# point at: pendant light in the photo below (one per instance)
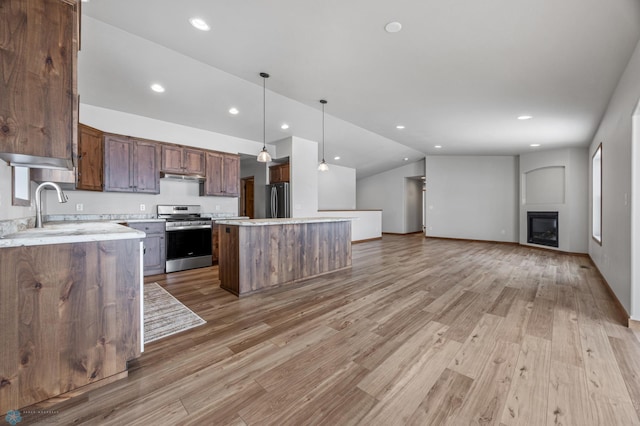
(264, 156)
(323, 166)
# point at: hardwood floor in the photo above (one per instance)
(419, 331)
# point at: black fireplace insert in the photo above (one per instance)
(542, 228)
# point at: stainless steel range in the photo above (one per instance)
(188, 237)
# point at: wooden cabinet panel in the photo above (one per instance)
(215, 242)
(231, 175)
(38, 105)
(145, 167)
(171, 159)
(90, 159)
(279, 173)
(194, 161)
(155, 251)
(223, 175)
(69, 319)
(130, 165)
(183, 160)
(213, 183)
(118, 171)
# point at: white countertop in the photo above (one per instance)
(63, 233)
(283, 221)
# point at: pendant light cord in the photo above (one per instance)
(323, 102)
(264, 112)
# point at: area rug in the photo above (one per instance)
(164, 315)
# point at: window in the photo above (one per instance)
(596, 203)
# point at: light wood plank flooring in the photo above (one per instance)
(418, 332)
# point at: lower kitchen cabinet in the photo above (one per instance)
(215, 245)
(155, 252)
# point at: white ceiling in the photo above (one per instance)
(457, 75)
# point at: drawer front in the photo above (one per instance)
(148, 227)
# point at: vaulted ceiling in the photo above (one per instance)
(457, 75)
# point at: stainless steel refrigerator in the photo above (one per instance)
(278, 200)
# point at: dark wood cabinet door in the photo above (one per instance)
(194, 161)
(215, 245)
(38, 101)
(118, 155)
(279, 173)
(231, 176)
(284, 173)
(90, 159)
(145, 165)
(213, 183)
(172, 159)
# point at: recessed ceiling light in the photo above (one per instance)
(157, 88)
(400, 126)
(199, 24)
(405, 159)
(525, 117)
(337, 157)
(393, 27)
(284, 126)
(438, 146)
(534, 145)
(233, 111)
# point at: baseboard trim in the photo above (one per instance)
(400, 233)
(472, 241)
(621, 310)
(366, 241)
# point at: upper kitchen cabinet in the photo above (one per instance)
(39, 102)
(223, 175)
(130, 165)
(182, 160)
(90, 159)
(279, 173)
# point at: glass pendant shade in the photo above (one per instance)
(323, 166)
(264, 156)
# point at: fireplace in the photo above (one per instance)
(542, 228)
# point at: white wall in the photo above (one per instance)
(303, 166)
(337, 188)
(613, 258)
(386, 191)
(635, 218)
(472, 197)
(560, 184)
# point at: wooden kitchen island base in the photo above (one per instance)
(260, 254)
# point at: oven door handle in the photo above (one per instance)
(182, 228)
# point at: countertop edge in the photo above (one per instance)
(284, 221)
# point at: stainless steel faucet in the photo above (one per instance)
(62, 198)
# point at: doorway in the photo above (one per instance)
(247, 197)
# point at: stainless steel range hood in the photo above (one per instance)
(176, 176)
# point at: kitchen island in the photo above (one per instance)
(261, 254)
(70, 309)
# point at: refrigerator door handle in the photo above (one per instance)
(275, 204)
(273, 189)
